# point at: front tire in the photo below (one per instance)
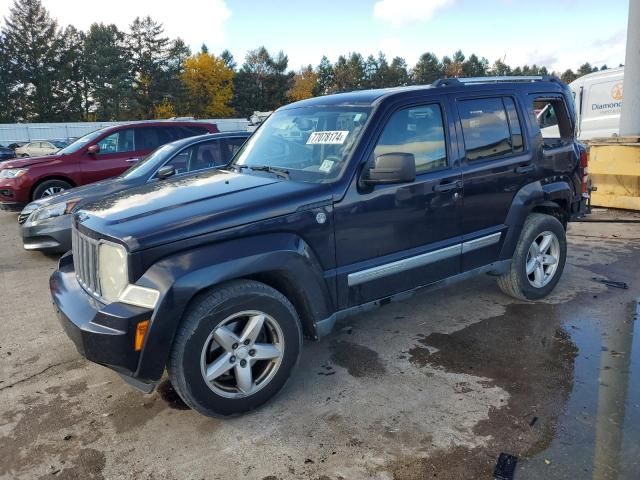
(50, 187)
(538, 261)
(235, 349)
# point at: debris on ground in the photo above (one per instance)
(611, 283)
(506, 467)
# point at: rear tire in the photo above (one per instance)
(538, 261)
(235, 349)
(50, 187)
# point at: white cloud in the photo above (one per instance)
(402, 12)
(195, 21)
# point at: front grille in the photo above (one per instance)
(85, 260)
(23, 218)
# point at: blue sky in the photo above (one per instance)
(557, 33)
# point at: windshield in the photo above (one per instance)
(148, 164)
(81, 142)
(312, 144)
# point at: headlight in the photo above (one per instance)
(112, 270)
(12, 172)
(114, 279)
(44, 213)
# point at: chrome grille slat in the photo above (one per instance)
(85, 258)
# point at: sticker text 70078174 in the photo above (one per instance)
(336, 137)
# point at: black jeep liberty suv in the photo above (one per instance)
(334, 205)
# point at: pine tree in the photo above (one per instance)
(33, 45)
(6, 105)
(398, 73)
(427, 70)
(149, 53)
(228, 59)
(325, 77)
(70, 91)
(108, 72)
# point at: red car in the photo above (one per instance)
(101, 154)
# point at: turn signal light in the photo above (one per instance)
(141, 332)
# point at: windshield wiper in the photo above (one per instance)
(278, 171)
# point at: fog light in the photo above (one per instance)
(141, 332)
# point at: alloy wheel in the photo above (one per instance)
(242, 354)
(543, 259)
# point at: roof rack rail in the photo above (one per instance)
(446, 82)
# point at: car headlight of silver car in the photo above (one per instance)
(43, 213)
(114, 279)
(12, 172)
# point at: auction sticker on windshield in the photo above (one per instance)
(336, 137)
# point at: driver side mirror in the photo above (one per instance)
(93, 149)
(166, 172)
(391, 168)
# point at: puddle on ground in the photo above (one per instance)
(598, 434)
(573, 407)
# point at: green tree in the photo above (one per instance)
(349, 73)
(398, 73)
(500, 69)
(586, 68)
(228, 59)
(475, 67)
(71, 95)
(32, 46)
(149, 53)
(262, 83)
(325, 77)
(6, 106)
(427, 70)
(108, 72)
(568, 76)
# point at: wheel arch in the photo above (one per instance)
(551, 198)
(40, 181)
(284, 262)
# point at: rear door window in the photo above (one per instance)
(485, 128)
(150, 138)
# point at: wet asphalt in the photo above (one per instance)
(437, 386)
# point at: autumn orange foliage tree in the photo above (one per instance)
(304, 84)
(209, 84)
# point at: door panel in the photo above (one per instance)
(496, 165)
(117, 154)
(392, 238)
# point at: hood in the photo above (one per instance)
(31, 161)
(83, 194)
(165, 212)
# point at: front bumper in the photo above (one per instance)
(103, 334)
(11, 206)
(51, 235)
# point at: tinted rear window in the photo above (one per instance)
(485, 128)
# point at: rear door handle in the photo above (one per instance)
(522, 169)
(448, 186)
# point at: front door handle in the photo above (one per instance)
(448, 186)
(133, 160)
(522, 169)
